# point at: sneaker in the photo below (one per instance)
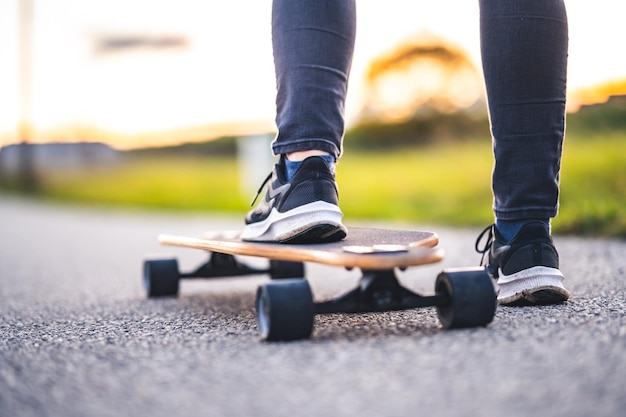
(302, 210)
(526, 269)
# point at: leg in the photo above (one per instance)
(313, 43)
(524, 53)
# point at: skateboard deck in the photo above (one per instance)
(364, 248)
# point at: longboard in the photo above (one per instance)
(286, 307)
(364, 248)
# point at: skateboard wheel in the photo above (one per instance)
(286, 269)
(161, 277)
(285, 310)
(472, 298)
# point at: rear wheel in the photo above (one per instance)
(472, 298)
(285, 310)
(161, 277)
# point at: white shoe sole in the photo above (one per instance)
(534, 286)
(280, 227)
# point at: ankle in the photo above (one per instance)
(291, 166)
(508, 229)
(300, 156)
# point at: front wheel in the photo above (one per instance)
(471, 295)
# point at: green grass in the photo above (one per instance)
(167, 183)
(436, 184)
(445, 184)
(593, 186)
(451, 185)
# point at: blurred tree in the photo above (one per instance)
(425, 75)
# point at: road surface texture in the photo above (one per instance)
(79, 338)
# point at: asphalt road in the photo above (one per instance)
(79, 338)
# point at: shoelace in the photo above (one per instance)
(488, 231)
(258, 193)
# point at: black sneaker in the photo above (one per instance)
(526, 268)
(303, 210)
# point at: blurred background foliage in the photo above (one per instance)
(419, 152)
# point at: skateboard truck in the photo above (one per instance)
(463, 298)
(222, 265)
(161, 277)
(379, 290)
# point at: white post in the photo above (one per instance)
(256, 160)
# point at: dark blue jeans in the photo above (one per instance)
(524, 55)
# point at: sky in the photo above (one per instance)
(219, 70)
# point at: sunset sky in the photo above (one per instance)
(218, 68)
